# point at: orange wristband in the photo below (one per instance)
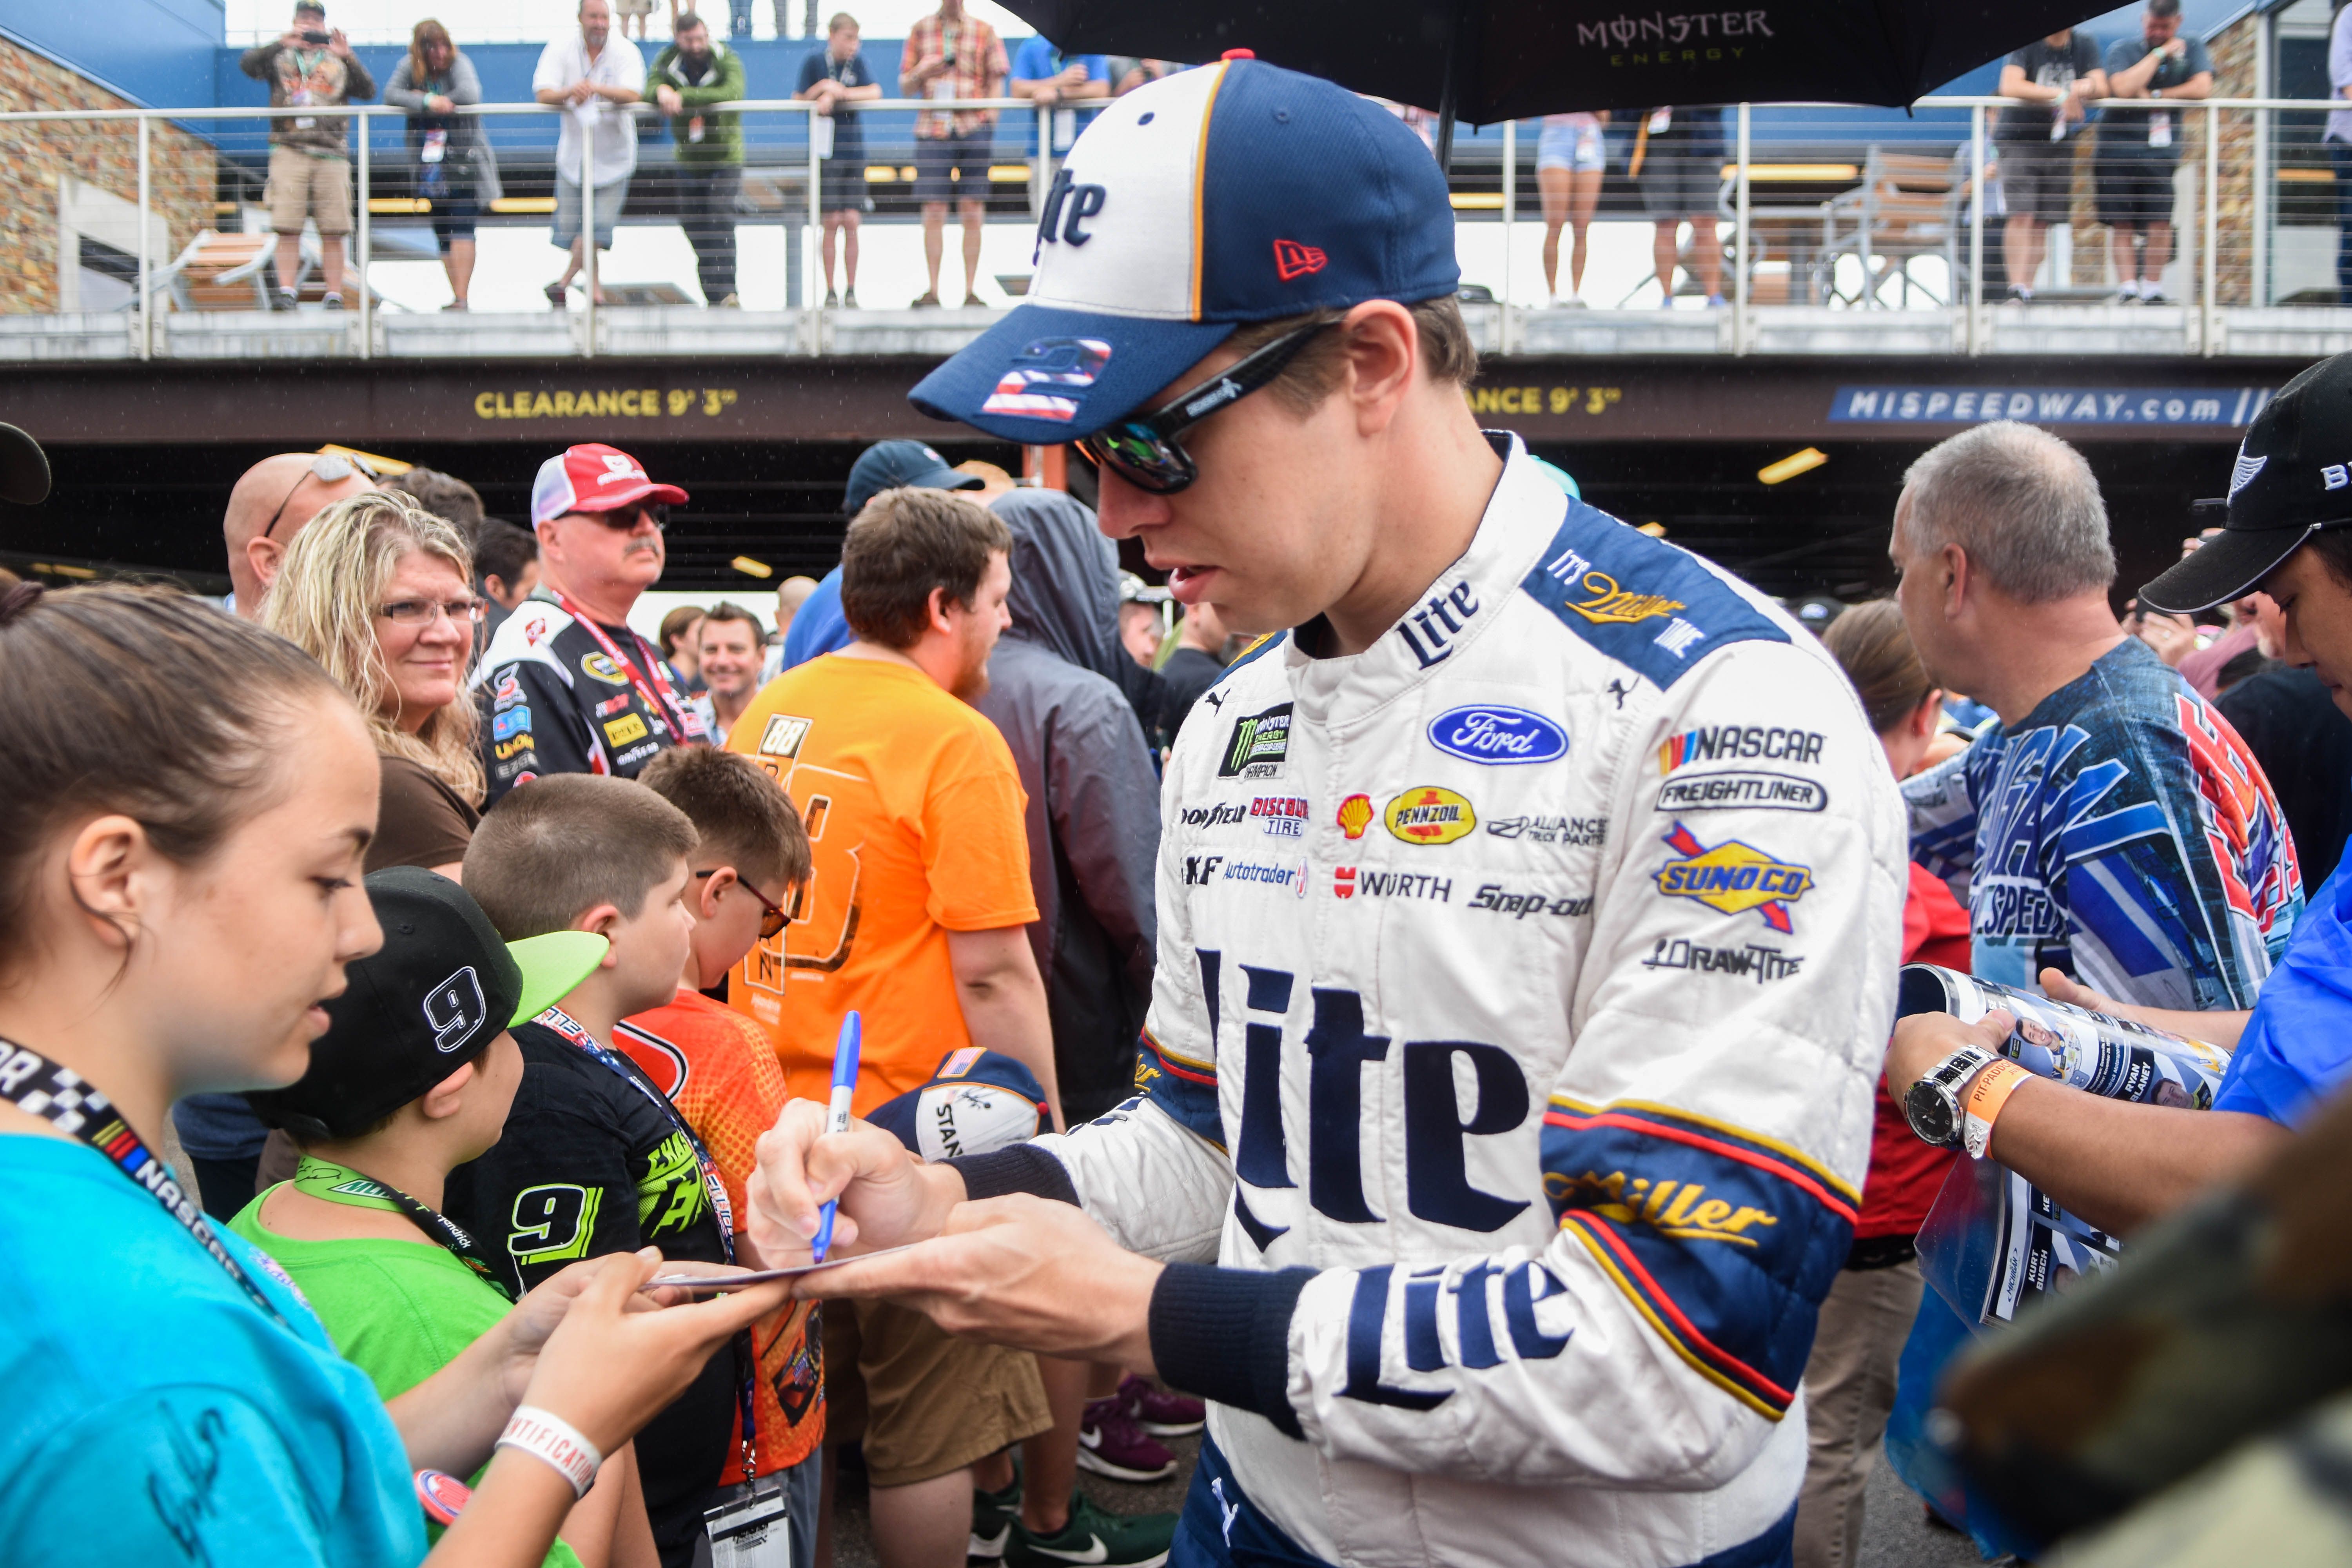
(1987, 1094)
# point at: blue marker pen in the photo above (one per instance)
(844, 1087)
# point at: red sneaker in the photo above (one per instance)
(1159, 1412)
(1111, 1443)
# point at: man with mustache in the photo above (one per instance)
(570, 687)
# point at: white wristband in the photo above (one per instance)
(545, 1436)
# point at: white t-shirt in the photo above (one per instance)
(564, 61)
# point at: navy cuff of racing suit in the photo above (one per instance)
(1224, 1334)
(1019, 1169)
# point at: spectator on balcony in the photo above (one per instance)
(449, 158)
(2051, 79)
(1569, 157)
(689, 75)
(1678, 161)
(2138, 147)
(2340, 147)
(1059, 82)
(309, 154)
(951, 55)
(831, 76)
(593, 78)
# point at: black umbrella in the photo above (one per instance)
(1490, 60)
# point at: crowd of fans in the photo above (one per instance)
(494, 980)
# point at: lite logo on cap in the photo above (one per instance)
(1237, 192)
(455, 1009)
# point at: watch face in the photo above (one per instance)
(1932, 1112)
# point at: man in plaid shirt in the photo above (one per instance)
(951, 55)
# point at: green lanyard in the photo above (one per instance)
(330, 1182)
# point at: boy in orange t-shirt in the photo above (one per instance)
(720, 1071)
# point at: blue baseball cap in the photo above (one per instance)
(1239, 191)
(977, 1101)
(900, 465)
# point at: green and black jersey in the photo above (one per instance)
(590, 1164)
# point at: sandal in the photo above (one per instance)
(555, 295)
(930, 301)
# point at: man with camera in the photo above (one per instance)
(308, 67)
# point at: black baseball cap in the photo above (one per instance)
(431, 999)
(900, 465)
(2292, 479)
(24, 470)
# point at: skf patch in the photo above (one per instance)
(597, 667)
(1355, 814)
(1428, 815)
(1733, 878)
(626, 729)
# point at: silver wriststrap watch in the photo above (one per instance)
(1933, 1104)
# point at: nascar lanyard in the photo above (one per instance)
(668, 703)
(330, 1182)
(565, 1024)
(67, 1101)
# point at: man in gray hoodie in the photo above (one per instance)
(1094, 797)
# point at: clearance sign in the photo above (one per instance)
(606, 402)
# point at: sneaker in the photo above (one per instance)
(732, 303)
(2017, 296)
(332, 302)
(1717, 302)
(283, 300)
(1111, 1443)
(2149, 294)
(994, 1516)
(1095, 1535)
(1159, 1412)
(832, 300)
(556, 294)
(849, 299)
(1573, 302)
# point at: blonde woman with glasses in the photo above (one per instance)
(380, 594)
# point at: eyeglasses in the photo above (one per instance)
(327, 469)
(769, 923)
(421, 612)
(1144, 450)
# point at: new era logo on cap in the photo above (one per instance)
(1291, 259)
(1237, 192)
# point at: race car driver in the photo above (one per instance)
(571, 689)
(1529, 912)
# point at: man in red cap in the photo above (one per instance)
(571, 689)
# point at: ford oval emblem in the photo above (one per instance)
(1498, 736)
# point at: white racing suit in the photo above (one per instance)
(1523, 982)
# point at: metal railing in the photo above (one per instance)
(2261, 164)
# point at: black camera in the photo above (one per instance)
(317, 36)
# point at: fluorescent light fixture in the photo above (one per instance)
(1789, 466)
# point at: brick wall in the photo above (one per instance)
(105, 153)
(2235, 50)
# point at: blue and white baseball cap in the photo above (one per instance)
(977, 1101)
(1238, 192)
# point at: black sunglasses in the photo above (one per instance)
(1143, 450)
(769, 923)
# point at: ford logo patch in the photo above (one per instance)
(1498, 736)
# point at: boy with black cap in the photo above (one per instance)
(595, 1159)
(2288, 534)
(412, 1079)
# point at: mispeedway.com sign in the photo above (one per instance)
(2224, 406)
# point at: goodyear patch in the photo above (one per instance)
(1428, 815)
(1732, 878)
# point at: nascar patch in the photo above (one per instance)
(598, 667)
